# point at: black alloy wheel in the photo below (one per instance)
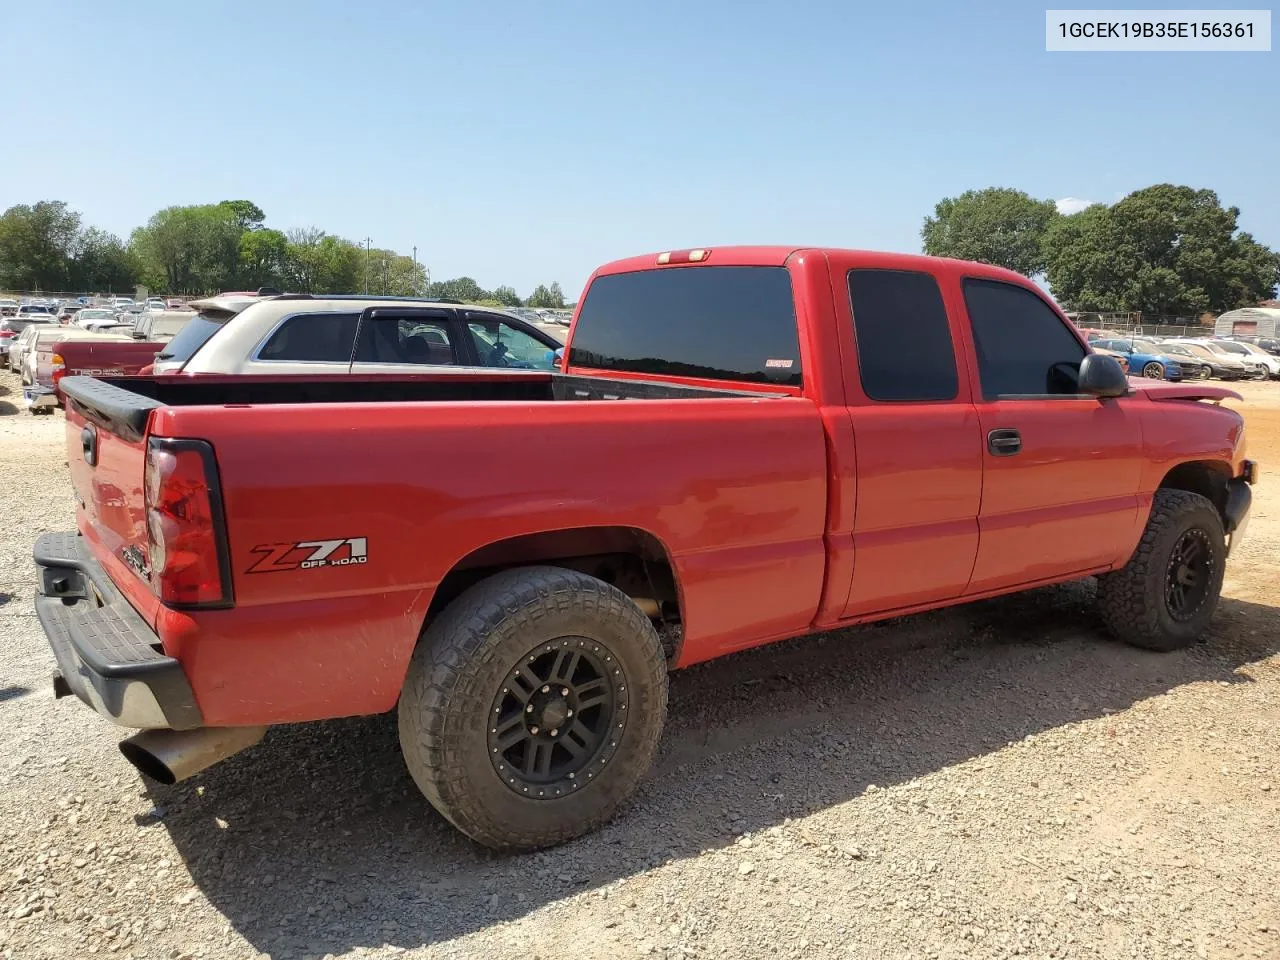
(1187, 575)
(558, 718)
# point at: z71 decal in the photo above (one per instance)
(309, 554)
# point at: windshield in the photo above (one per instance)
(18, 324)
(32, 308)
(1227, 346)
(96, 314)
(169, 326)
(191, 337)
(1145, 346)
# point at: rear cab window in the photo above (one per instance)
(730, 323)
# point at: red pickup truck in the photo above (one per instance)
(741, 445)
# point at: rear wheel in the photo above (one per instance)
(533, 707)
(1153, 370)
(1165, 596)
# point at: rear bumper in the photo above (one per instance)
(39, 397)
(107, 654)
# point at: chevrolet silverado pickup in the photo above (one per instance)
(740, 445)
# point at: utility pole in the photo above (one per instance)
(367, 242)
(417, 290)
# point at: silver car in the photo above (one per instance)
(17, 346)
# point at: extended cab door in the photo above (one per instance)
(1061, 470)
(400, 339)
(916, 438)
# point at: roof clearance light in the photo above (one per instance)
(683, 256)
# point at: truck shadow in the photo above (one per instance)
(317, 842)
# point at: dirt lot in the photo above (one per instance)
(996, 780)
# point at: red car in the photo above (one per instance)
(741, 445)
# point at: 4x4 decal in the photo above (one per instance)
(309, 554)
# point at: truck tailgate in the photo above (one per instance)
(107, 458)
(106, 358)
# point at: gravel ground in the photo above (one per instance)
(996, 780)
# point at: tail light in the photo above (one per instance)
(189, 561)
(6, 334)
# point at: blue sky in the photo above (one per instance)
(522, 143)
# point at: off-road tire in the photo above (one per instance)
(459, 667)
(1133, 599)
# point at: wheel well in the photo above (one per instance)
(1205, 477)
(630, 559)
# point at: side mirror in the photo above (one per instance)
(1101, 376)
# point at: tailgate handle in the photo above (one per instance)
(89, 443)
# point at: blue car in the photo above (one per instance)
(1145, 358)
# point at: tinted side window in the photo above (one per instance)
(315, 337)
(499, 344)
(719, 323)
(407, 340)
(903, 340)
(1023, 347)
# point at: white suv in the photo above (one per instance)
(302, 334)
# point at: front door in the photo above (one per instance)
(1061, 470)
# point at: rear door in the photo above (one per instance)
(401, 339)
(1061, 470)
(916, 438)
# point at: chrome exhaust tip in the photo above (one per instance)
(168, 756)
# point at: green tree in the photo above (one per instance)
(394, 275)
(459, 288)
(263, 255)
(540, 298)
(1166, 251)
(997, 225)
(506, 296)
(193, 249)
(36, 245)
(316, 262)
(248, 215)
(101, 263)
(557, 296)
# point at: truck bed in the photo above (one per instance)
(434, 473)
(127, 402)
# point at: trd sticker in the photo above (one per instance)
(310, 554)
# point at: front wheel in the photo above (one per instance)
(533, 707)
(1153, 371)
(1165, 596)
